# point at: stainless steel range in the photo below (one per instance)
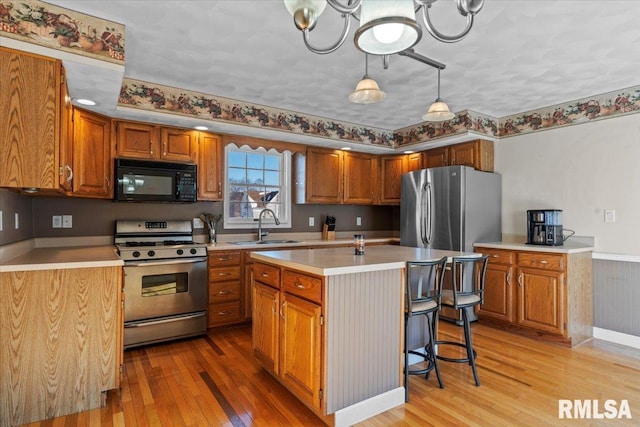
(165, 282)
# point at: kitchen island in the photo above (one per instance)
(328, 325)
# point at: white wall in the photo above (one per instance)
(581, 169)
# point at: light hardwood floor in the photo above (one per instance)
(214, 381)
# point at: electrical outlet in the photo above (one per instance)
(56, 221)
(358, 221)
(197, 223)
(67, 221)
(609, 215)
(312, 221)
(17, 220)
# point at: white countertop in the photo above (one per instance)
(566, 248)
(61, 258)
(334, 261)
(226, 246)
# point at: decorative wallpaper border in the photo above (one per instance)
(62, 29)
(166, 99)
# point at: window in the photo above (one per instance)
(256, 179)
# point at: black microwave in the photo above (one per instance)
(149, 181)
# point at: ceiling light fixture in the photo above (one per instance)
(367, 90)
(85, 102)
(386, 26)
(439, 110)
(201, 128)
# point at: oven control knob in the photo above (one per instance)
(179, 251)
(151, 253)
(135, 254)
(193, 251)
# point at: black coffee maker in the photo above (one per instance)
(544, 227)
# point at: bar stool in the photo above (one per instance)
(467, 291)
(423, 293)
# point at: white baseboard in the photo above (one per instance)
(368, 408)
(617, 337)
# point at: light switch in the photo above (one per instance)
(358, 221)
(67, 221)
(312, 221)
(197, 223)
(609, 215)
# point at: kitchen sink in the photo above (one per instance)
(264, 242)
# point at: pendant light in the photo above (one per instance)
(439, 110)
(367, 90)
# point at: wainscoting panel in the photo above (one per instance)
(616, 296)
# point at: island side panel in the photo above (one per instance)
(580, 297)
(364, 313)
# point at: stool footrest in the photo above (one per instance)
(430, 365)
(454, 359)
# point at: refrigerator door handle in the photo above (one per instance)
(426, 214)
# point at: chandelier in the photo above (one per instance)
(386, 26)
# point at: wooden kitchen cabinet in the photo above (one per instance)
(61, 341)
(210, 166)
(92, 155)
(477, 154)
(391, 170)
(287, 329)
(542, 294)
(337, 177)
(34, 122)
(225, 287)
(150, 142)
(179, 145)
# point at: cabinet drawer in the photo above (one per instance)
(266, 274)
(497, 256)
(224, 274)
(541, 260)
(222, 292)
(217, 259)
(225, 313)
(302, 285)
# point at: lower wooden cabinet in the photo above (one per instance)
(225, 287)
(287, 336)
(543, 293)
(60, 341)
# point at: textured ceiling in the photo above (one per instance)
(520, 55)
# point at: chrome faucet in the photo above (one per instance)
(261, 233)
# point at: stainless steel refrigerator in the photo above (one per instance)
(450, 207)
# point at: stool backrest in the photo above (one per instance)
(468, 279)
(424, 281)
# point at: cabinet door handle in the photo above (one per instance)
(543, 262)
(509, 279)
(273, 307)
(520, 280)
(106, 178)
(494, 256)
(298, 285)
(150, 147)
(282, 309)
(225, 292)
(225, 273)
(224, 259)
(264, 275)
(224, 313)
(68, 168)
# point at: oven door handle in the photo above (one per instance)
(167, 320)
(169, 262)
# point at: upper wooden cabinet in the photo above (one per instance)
(336, 177)
(391, 170)
(477, 154)
(210, 165)
(147, 141)
(34, 108)
(92, 155)
(178, 144)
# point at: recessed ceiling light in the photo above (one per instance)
(85, 102)
(346, 148)
(201, 128)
